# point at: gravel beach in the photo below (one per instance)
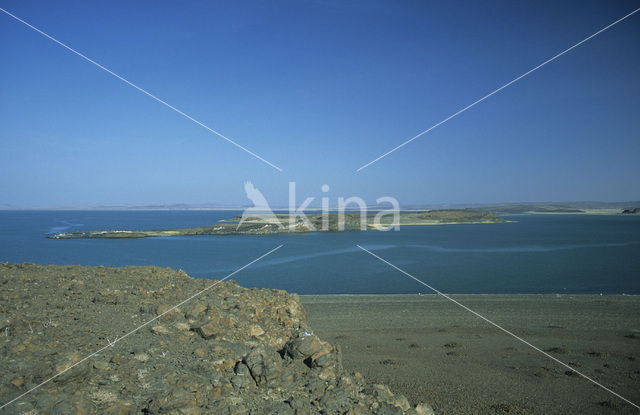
(430, 349)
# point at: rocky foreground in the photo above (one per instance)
(231, 350)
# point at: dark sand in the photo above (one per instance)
(430, 349)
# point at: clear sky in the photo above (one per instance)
(319, 88)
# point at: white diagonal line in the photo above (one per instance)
(499, 327)
(141, 90)
(498, 90)
(112, 343)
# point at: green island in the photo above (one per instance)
(317, 222)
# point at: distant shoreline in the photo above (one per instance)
(611, 212)
(255, 224)
(499, 207)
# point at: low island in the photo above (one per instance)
(315, 222)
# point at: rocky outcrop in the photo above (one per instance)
(229, 350)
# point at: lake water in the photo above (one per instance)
(535, 254)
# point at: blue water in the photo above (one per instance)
(536, 254)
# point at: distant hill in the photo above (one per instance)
(557, 207)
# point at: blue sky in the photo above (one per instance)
(319, 88)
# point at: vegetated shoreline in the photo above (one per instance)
(285, 223)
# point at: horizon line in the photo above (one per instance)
(213, 206)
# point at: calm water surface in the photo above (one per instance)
(535, 254)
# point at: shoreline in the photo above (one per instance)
(256, 224)
(430, 349)
(403, 296)
(606, 212)
(421, 345)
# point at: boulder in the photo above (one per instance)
(265, 365)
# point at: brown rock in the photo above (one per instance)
(327, 374)
(424, 409)
(168, 311)
(177, 401)
(256, 330)
(117, 358)
(264, 364)
(303, 347)
(196, 311)
(159, 330)
(100, 365)
(208, 330)
(72, 369)
(18, 382)
(226, 322)
(357, 410)
(213, 313)
(320, 359)
(400, 401)
(381, 392)
(118, 408)
(182, 326)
